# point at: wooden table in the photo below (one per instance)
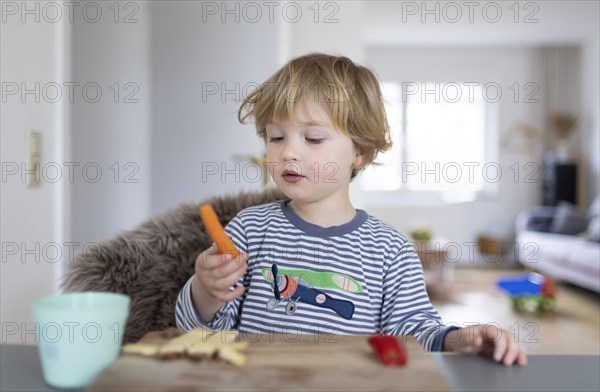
(21, 371)
(277, 363)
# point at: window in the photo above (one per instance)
(439, 135)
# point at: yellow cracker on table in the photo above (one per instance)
(231, 355)
(147, 350)
(178, 346)
(226, 337)
(240, 346)
(208, 347)
(195, 344)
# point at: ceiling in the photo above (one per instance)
(399, 23)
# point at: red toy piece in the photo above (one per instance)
(548, 288)
(390, 351)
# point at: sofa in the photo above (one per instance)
(562, 242)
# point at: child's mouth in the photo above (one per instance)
(291, 176)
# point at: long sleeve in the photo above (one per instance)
(186, 315)
(369, 265)
(406, 306)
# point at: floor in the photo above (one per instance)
(470, 296)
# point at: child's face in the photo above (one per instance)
(310, 160)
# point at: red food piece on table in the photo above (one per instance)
(390, 351)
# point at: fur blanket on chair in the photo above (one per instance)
(151, 263)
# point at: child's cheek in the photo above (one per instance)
(271, 164)
(325, 172)
(272, 167)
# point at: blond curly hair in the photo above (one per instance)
(350, 93)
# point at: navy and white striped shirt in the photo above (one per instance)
(363, 277)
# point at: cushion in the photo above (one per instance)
(538, 218)
(568, 219)
(540, 223)
(593, 229)
(594, 208)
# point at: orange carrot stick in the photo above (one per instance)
(216, 232)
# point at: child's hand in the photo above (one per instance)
(215, 273)
(488, 340)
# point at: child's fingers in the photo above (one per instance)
(500, 352)
(522, 358)
(478, 337)
(512, 353)
(216, 282)
(496, 341)
(228, 267)
(220, 289)
(472, 340)
(205, 263)
(506, 350)
(210, 261)
(489, 340)
(213, 250)
(231, 278)
(223, 293)
(204, 257)
(223, 269)
(231, 295)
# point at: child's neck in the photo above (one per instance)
(325, 214)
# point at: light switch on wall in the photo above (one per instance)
(33, 157)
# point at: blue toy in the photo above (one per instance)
(530, 292)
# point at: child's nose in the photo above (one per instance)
(290, 151)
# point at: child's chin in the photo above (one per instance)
(284, 189)
(293, 194)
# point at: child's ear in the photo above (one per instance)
(359, 158)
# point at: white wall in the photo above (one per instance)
(32, 225)
(590, 109)
(174, 136)
(167, 67)
(196, 138)
(330, 27)
(112, 134)
(484, 24)
(462, 223)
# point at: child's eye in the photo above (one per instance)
(314, 141)
(276, 139)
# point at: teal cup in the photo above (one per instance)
(79, 335)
